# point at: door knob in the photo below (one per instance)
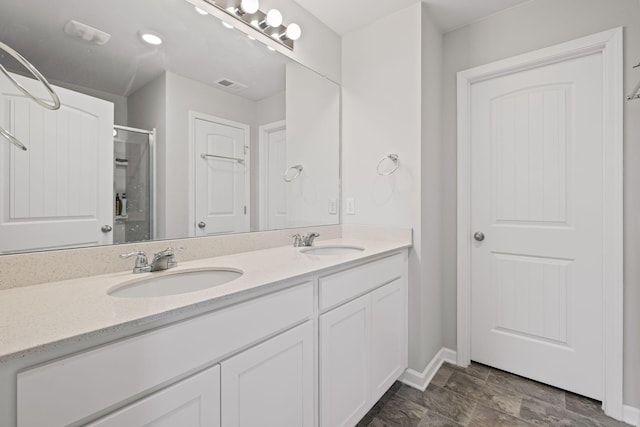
(106, 228)
(202, 224)
(479, 236)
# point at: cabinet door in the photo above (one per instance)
(193, 402)
(271, 384)
(388, 337)
(344, 363)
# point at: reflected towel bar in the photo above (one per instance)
(204, 156)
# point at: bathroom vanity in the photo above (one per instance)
(300, 339)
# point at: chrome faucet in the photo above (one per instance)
(307, 240)
(162, 260)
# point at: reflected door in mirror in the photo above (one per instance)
(57, 193)
(221, 177)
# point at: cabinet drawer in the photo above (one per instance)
(345, 285)
(76, 387)
(193, 402)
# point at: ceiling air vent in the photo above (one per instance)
(231, 85)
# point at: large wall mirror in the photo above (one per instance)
(209, 132)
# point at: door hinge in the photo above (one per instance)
(245, 210)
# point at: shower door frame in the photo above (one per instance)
(152, 174)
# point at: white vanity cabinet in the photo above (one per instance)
(85, 386)
(272, 383)
(317, 351)
(363, 342)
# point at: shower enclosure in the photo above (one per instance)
(133, 184)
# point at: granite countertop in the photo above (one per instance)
(34, 317)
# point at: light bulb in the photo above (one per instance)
(249, 6)
(201, 11)
(293, 31)
(274, 18)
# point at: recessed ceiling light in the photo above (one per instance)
(151, 38)
(227, 25)
(201, 11)
(271, 49)
(251, 37)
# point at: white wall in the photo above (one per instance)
(430, 307)
(313, 140)
(534, 25)
(382, 114)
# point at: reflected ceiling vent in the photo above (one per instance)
(231, 85)
(86, 32)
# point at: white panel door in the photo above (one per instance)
(221, 184)
(59, 192)
(272, 383)
(345, 337)
(388, 337)
(537, 196)
(273, 153)
(193, 402)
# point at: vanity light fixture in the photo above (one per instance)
(273, 20)
(269, 23)
(246, 6)
(151, 38)
(293, 32)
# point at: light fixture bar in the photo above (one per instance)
(255, 20)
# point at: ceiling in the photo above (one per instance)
(344, 16)
(196, 46)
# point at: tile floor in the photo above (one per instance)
(480, 396)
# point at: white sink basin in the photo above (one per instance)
(331, 250)
(174, 284)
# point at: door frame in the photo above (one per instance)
(609, 44)
(193, 116)
(263, 134)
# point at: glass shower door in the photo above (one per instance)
(133, 185)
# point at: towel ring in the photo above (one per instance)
(297, 168)
(394, 159)
(34, 71)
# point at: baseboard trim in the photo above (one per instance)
(421, 380)
(631, 415)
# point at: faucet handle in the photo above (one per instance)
(170, 251)
(297, 240)
(142, 264)
(139, 254)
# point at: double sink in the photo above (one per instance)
(191, 281)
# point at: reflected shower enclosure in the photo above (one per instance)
(133, 206)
